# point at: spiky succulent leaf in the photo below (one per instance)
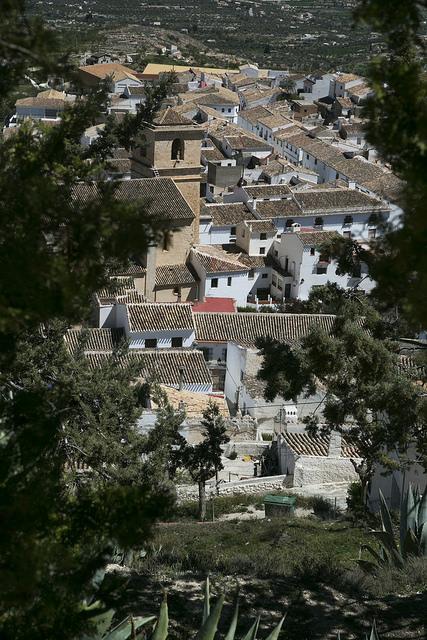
(374, 633)
(377, 556)
(389, 545)
(403, 517)
(368, 567)
(411, 515)
(275, 633)
(123, 630)
(100, 619)
(386, 518)
(422, 510)
(410, 545)
(209, 628)
(423, 539)
(251, 634)
(206, 602)
(161, 629)
(233, 625)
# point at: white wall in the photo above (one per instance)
(236, 364)
(164, 338)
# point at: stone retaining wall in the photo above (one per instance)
(241, 487)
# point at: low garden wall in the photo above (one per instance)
(239, 487)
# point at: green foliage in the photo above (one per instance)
(365, 396)
(203, 460)
(59, 526)
(413, 533)
(210, 621)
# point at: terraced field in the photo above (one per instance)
(303, 35)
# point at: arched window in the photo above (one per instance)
(318, 222)
(348, 220)
(177, 149)
(289, 223)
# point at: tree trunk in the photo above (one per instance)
(202, 500)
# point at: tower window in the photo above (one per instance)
(177, 149)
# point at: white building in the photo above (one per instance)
(299, 255)
(151, 325)
(47, 106)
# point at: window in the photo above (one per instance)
(264, 276)
(263, 236)
(177, 342)
(229, 110)
(223, 110)
(372, 233)
(337, 175)
(315, 160)
(150, 343)
(312, 251)
(177, 152)
(279, 235)
(233, 231)
(251, 274)
(214, 283)
(242, 375)
(229, 281)
(274, 281)
(348, 220)
(51, 113)
(262, 251)
(318, 222)
(165, 245)
(276, 253)
(280, 284)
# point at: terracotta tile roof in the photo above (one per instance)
(212, 154)
(268, 190)
(254, 114)
(289, 133)
(227, 214)
(130, 269)
(245, 328)
(266, 226)
(94, 339)
(277, 167)
(114, 69)
(243, 141)
(121, 289)
(160, 317)
(214, 99)
(214, 259)
(335, 200)
(274, 121)
(163, 365)
(315, 238)
(49, 99)
(173, 274)
(347, 77)
(305, 445)
(162, 197)
(170, 117)
(278, 209)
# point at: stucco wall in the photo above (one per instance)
(320, 470)
(243, 487)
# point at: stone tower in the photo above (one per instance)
(170, 147)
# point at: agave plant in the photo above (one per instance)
(413, 533)
(135, 628)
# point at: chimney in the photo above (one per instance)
(150, 276)
(181, 379)
(334, 449)
(254, 204)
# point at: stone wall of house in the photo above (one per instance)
(241, 487)
(180, 241)
(322, 469)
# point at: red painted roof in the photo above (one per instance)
(216, 305)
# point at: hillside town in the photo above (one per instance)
(213, 335)
(252, 171)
